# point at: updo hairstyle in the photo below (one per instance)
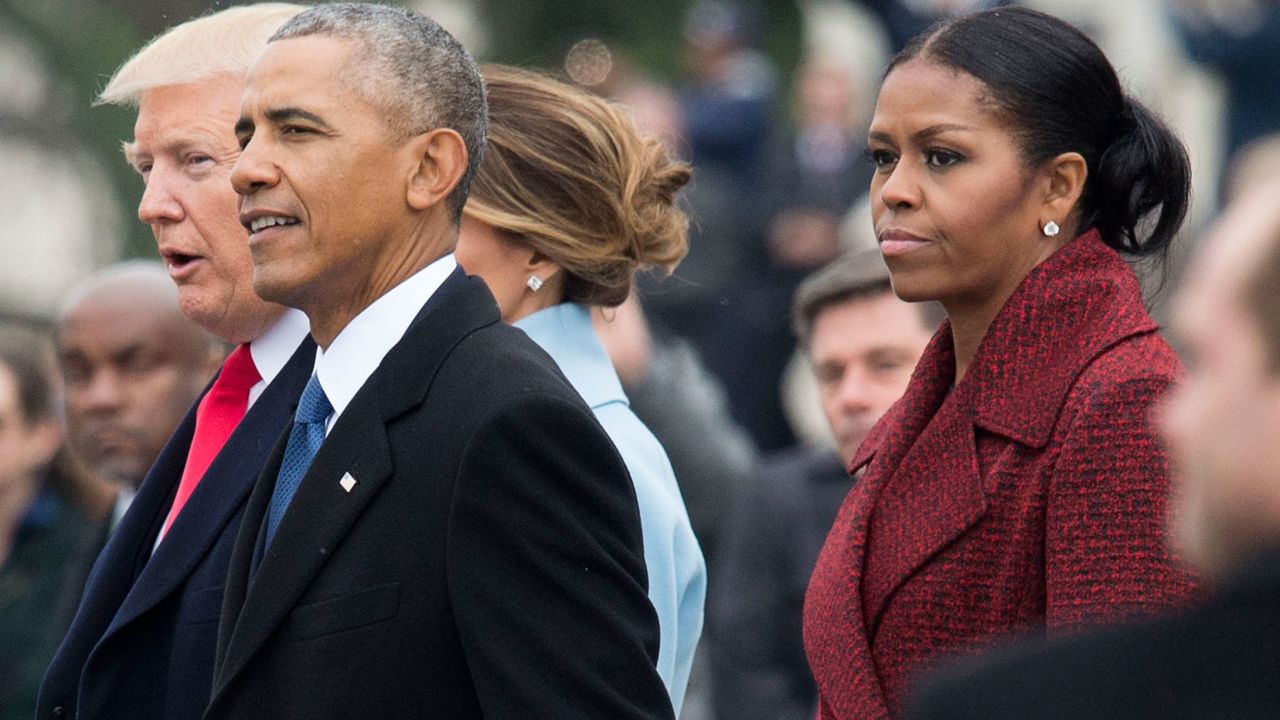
(1058, 93)
(568, 174)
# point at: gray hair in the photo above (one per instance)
(853, 276)
(410, 68)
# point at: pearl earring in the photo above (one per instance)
(534, 282)
(1051, 229)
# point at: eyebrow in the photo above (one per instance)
(280, 115)
(923, 135)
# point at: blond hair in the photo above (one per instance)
(569, 174)
(228, 41)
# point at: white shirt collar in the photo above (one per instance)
(359, 348)
(272, 350)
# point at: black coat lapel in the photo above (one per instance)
(222, 490)
(322, 511)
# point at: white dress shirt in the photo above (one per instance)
(359, 348)
(272, 350)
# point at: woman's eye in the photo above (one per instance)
(881, 158)
(941, 158)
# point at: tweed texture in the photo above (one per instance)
(1032, 495)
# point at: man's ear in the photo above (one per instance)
(440, 162)
(1067, 174)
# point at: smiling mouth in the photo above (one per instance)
(265, 222)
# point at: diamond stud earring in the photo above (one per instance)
(534, 282)
(1051, 228)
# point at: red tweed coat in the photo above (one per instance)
(1033, 494)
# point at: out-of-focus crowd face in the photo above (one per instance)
(863, 352)
(324, 159)
(953, 203)
(184, 148)
(1222, 422)
(130, 372)
(26, 444)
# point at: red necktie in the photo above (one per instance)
(219, 412)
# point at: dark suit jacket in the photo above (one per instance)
(1033, 493)
(487, 562)
(142, 643)
(1220, 660)
(758, 667)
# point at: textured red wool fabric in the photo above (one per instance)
(1031, 495)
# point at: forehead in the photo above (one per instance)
(867, 323)
(921, 93)
(109, 322)
(302, 71)
(1227, 257)
(206, 108)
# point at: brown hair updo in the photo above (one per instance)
(568, 174)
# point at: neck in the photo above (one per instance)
(969, 324)
(337, 303)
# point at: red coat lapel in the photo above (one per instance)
(921, 486)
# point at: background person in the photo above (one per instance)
(568, 202)
(131, 366)
(142, 644)
(40, 528)
(481, 553)
(862, 342)
(1017, 483)
(1222, 425)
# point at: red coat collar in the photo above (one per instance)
(1021, 374)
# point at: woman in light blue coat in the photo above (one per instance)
(569, 201)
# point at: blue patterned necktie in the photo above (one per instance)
(304, 440)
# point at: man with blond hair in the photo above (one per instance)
(142, 644)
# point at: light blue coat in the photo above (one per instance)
(677, 572)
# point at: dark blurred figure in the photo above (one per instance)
(40, 528)
(904, 19)
(812, 178)
(726, 112)
(1239, 41)
(863, 343)
(1222, 424)
(132, 365)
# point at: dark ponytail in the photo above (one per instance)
(1059, 93)
(1144, 169)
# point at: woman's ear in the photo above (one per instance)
(541, 265)
(439, 160)
(1067, 174)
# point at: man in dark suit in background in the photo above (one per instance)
(142, 643)
(862, 342)
(446, 532)
(1222, 424)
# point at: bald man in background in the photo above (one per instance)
(132, 365)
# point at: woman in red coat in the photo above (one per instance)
(1017, 484)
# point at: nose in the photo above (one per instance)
(102, 393)
(253, 170)
(900, 190)
(857, 389)
(160, 203)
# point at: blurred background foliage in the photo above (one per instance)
(80, 43)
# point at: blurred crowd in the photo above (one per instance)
(760, 363)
